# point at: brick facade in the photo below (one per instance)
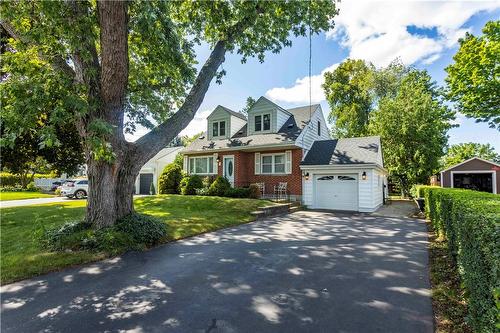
(244, 170)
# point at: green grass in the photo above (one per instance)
(185, 216)
(5, 196)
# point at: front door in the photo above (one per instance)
(229, 169)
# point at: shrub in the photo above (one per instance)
(237, 192)
(170, 179)
(417, 191)
(9, 179)
(202, 191)
(219, 187)
(144, 229)
(189, 184)
(133, 232)
(208, 180)
(31, 187)
(254, 191)
(469, 221)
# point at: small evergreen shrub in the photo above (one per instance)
(202, 191)
(144, 229)
(208, 180)
(189, 184)
(219, 187)
(254, 191)
(237, 192)
(470, 222)
(170, 179)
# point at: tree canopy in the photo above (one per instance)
(109, 65)
(353, 91)
(474, 78)
(464, 151)
(413, 127)
(400, 104)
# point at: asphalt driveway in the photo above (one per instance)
(305, 272)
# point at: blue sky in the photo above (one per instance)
(420, 33)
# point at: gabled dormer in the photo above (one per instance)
(223, 123)
(266, 117)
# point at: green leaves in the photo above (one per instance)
(474, 79)
(464, 151)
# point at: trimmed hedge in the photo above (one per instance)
(9, 179)
(470, 223)
(219, 187)
(190, 184)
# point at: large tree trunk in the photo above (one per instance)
(111, 189)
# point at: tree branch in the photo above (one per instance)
(57, 62)
(148, 145)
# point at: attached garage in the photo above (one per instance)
(145, 181)
(338, 192)
(344, 175)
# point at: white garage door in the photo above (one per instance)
(339, 192)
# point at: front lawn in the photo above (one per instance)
(185, 216)
(4, 196)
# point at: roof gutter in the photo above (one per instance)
(344, 166)
(256, 147)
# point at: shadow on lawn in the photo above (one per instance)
(310, 272)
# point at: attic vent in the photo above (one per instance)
(290, 125)
(240, 132)
(201, 137)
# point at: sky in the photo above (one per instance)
(423, 34)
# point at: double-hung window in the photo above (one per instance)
(201, 165)
(263, 122)
(272, 164)
(219, 128)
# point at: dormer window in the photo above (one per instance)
(219, 128)
(263, 122)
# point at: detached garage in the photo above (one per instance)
(344, 174)
(473, 174)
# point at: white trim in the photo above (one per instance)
(255, 148)
(273, 164)
(261, 115)
(470, 159)
(214, 171)
(288, 162)
(343, 167)
(224, 158)
(493, 177)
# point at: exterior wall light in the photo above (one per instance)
(218, 160)
(363, 176)
(306, 176)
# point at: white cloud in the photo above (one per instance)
(377, 30)
(299, 93)
(198, 124)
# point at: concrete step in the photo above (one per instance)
(295, 209)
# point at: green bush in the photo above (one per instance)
(470, 223)
(144, 229)
(417, 191)
(254, 191)
(237, 192)
(9, 179)
(170, 179)
(208, 180)
(219, 187)
(189, 184)
(134, 232)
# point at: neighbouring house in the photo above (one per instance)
(475, 174)
(151, 171)
(291, 147)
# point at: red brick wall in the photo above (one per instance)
(244, 169)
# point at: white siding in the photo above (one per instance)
(378, 188)
(236, 124)
(281, 118)
(310, 132)
(157, 164)
(369, 198)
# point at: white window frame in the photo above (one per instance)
(492, 172)
(209, 163)
(218, 122)
(273, 164)
(261, 115)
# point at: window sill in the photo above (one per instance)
(274, 174)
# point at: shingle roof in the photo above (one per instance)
(287, 134)
(365, 150)
(234, 113)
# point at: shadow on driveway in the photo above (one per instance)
(305, 272)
